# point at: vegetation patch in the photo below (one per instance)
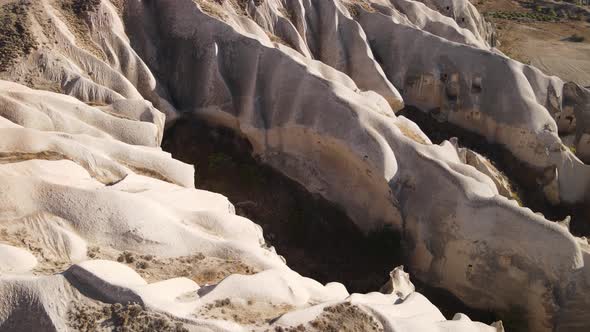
(212, 8)
(119, 317)
(18, 236)
(286, 12)
(576, 38)
(215, 7)
(572, 148)
(242, 5)
(77, 15)
(16, 39)
(204, 270)
(119, 5)
(543, 16)
(344, 317)
(244, 312)
(355, 6)
(81, 7)
(276, 39)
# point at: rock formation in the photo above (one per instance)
(313, 86)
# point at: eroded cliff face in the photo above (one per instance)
(313, 86)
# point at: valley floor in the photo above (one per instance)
(560, 47)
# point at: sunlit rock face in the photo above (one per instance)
(313, 86)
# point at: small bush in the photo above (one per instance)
(80, 7)
(577, 38)
(572, 149)
(213, 8)
(518, 16)
(119, 317)
(16, 40)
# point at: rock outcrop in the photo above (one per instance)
(73, 189)
(313, 86)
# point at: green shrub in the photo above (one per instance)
(576, 39)
(572, 149)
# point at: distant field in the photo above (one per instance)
(551, 35)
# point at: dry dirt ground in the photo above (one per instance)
(53, 258)
(97, 317)
(552, 36)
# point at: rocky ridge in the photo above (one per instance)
(313, 86)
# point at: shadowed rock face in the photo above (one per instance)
(503, 101)
(296, 223)
(88, 172)
(295, 138)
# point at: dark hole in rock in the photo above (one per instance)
(452, 93)
(376, 55)
(316, 237)
(522, 177)
(476, 85)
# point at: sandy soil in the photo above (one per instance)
(342, 317)
(244, 312)
(53, 256)
(545, 45)
(201, 269)
(118, 317)
(16, 39)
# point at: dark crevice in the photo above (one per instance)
(315, 236)
(523, 178)
(449, 304)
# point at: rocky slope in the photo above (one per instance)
(313, 86)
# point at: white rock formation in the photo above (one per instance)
(399, 283)
(84, 178)
(484, 92)
(485, 166)
(65, 192)
(15, 260)
(466, 16)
